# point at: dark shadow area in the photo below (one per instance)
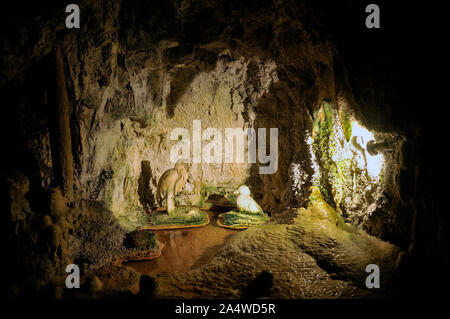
(146, 197)
(203, 61)
(259, 287)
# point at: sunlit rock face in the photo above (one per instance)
(348, 176)
(136, 70)
(119, 151)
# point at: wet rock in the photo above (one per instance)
(93, 285)
(143, 239)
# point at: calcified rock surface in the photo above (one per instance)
(129, 90)
(91, 115)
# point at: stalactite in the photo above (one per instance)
(62, 146)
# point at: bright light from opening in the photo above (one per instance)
(374, 163)
(362, 132)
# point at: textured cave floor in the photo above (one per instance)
(313, 257)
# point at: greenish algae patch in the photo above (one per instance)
(341, 159)
(346, 122)
(225, 190)
(142, 245)
(324, 147)
(243, 219)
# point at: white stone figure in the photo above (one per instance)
(245, 203)
(170, 184)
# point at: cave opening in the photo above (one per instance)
(210, 152)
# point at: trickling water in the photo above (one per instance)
(186, 249)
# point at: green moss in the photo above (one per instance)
(342, 177)
(244, 219)
(323, 148)
(143, 239)
(179, 217)
(225, 190)
(133, 220)
(346, 122)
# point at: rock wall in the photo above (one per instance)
(127, 98)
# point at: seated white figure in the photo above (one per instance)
(245, 203)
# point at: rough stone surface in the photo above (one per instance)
(311, 258)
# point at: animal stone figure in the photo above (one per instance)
(245, 203)
(170, 184)
(249, 212)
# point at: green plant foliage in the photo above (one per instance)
(323, 147)
(346, 122)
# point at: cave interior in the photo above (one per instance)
(88, 128)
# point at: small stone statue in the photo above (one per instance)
(245, 203)
(249, 212)
(170, 184)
